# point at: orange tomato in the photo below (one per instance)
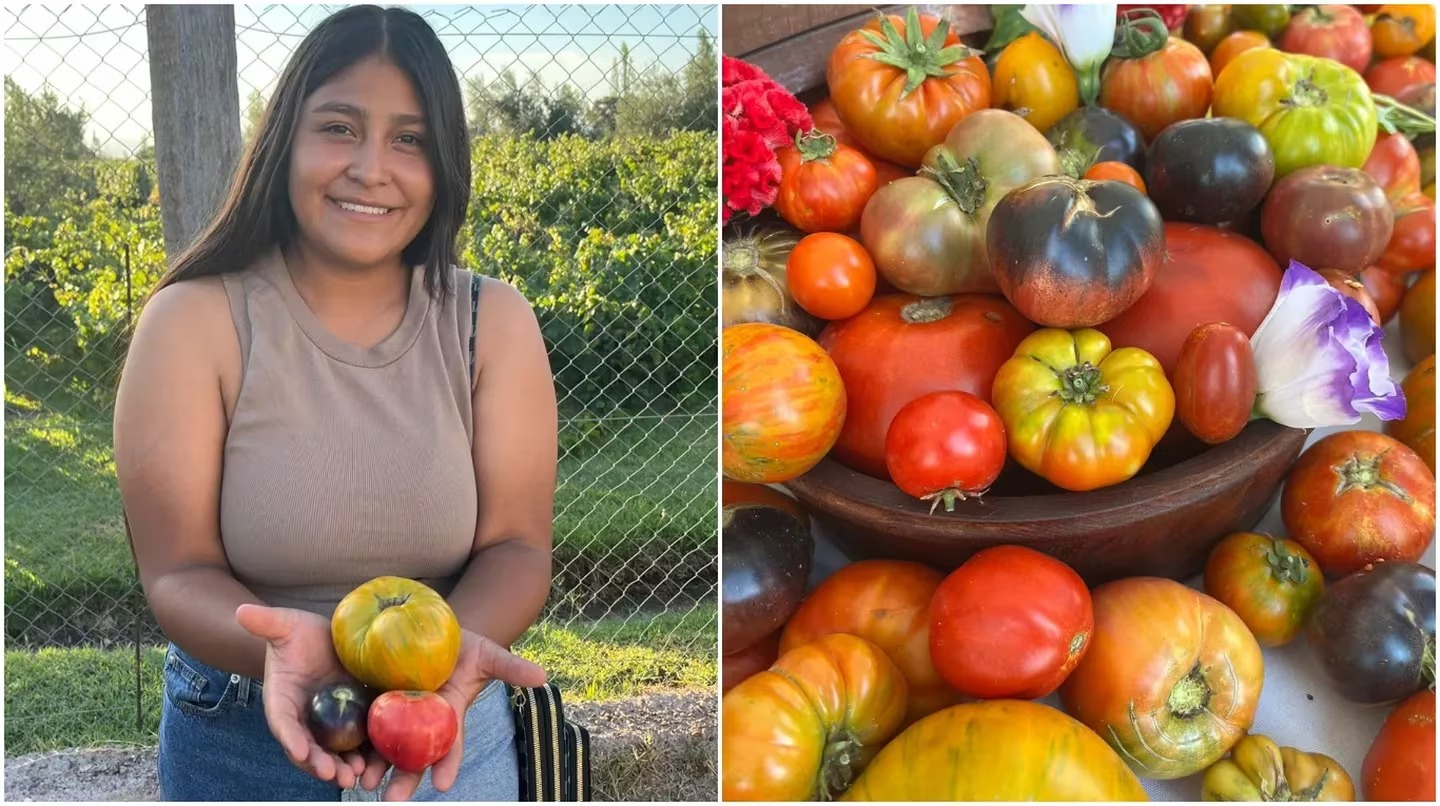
(1417, 428)
(393, 633)
(801, 730)
(830, 275)
(1394, 75)
(1119, 171)
(1417, 318)
(1400, 30)
(782, 403)
(823, 184)
(1033, 80)
(1233, 45)
(1170, 85)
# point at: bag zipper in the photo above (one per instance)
(556, 728)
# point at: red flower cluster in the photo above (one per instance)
(760, 117)
(1173, 14)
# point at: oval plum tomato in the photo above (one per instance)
(1172, 678)
(803, 728)
(1209, 275)
(1417, 428)
(1417, 318)
(899, 91)
(1118, 171)
(1412, 242)
(1401, 30)
(1347, 284)
(1393, 76)
(1359, 497)
(885, 602)
(1010, 623)
(944, 446)
(1330, 32)
(1234, 45)
(1394, 165)
(830, 275)
(782, 403)
(1033, 80)
(901, 347)
(1167, 86)
(823, 185)
(1271, 583)
(1326, 216)
(396, 633)
(412, 729)
(1400, 764)
(1215, 382)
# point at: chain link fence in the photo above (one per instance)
(594, 140)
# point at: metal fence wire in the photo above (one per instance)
(594, 138)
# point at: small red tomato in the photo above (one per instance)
(1347, 284)
(1118, 171)
(1412, 243)
(412, 729)
(1359, 497)
(1400, 765)
(824, 184)
(1332, 32)
(945, 445)
(830, 275)
(1394, 75)
(1215, 382)
(1011, 623)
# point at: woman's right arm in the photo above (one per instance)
(170, 426)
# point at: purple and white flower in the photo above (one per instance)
(1320, 358)
(1084, 33)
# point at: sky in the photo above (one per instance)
(95, 55)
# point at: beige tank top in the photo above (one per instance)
(342, 463)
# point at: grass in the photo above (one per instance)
(61, 698)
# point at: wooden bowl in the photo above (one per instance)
(1163, 522)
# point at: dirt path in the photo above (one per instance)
(653, 747)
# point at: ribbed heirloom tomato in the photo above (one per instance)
(395, 633)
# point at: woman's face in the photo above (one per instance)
(360, 183)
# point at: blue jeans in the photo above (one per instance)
(216, 745)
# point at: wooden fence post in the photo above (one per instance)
(195, 103)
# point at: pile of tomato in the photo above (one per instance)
(968, 271)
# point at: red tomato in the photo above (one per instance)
(1332, 32)
(1327, 216)
(830, 275)
(412, 729)
(1359, 497)
(1169, 85)
(1209, 275)
(1385, 289)
(823, 185)
(1394, 165)
(1412, 243)
(1010, 623)
(1118, 171)
(901, 347)
(1400, 764)
(1393, 76)
(1347, 284)
(945, 445)
(1215, 382)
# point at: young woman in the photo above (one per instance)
(315, 395)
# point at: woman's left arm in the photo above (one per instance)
(515, 449)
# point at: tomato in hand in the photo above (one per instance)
(1401, 30)
(1076, 413)
(1010, 623)
(823, 184)
(412, 729)
(1417, 428)
(945, 446)
(1330, 32)
(1215, 382)
(1359, 497)
(1234, 45)
(899, 91)
(1033, 80)
(1400, 764)
(1167, 86)
(1118, 171)
(396, 633)
(1412, 242)
(1271, 583)
(830, 275)
(1393, 76)
(886, 602)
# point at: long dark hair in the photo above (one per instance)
(257, 214)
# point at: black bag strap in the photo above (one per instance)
(475, 280)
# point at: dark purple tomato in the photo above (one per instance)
(765, 563)
(1094, 134)
(337, 716)
(1373, 633)
(1209, 170)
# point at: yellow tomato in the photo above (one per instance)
(393, 633)
(1033, 80)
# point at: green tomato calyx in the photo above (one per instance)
(918, 56)
(1081, 383)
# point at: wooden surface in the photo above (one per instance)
(195, 103)
(1161, 523)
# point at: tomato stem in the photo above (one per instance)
(927, 309)
(949, 496)
(387, 602)
(1307, 93)
(814, 145)
(1191, 694)
(1139, 33)
(837, 765)
(919, 57)
(742, 258)
(1284, 565)
(1081, 384)
(1363, 473)
(963, 182)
